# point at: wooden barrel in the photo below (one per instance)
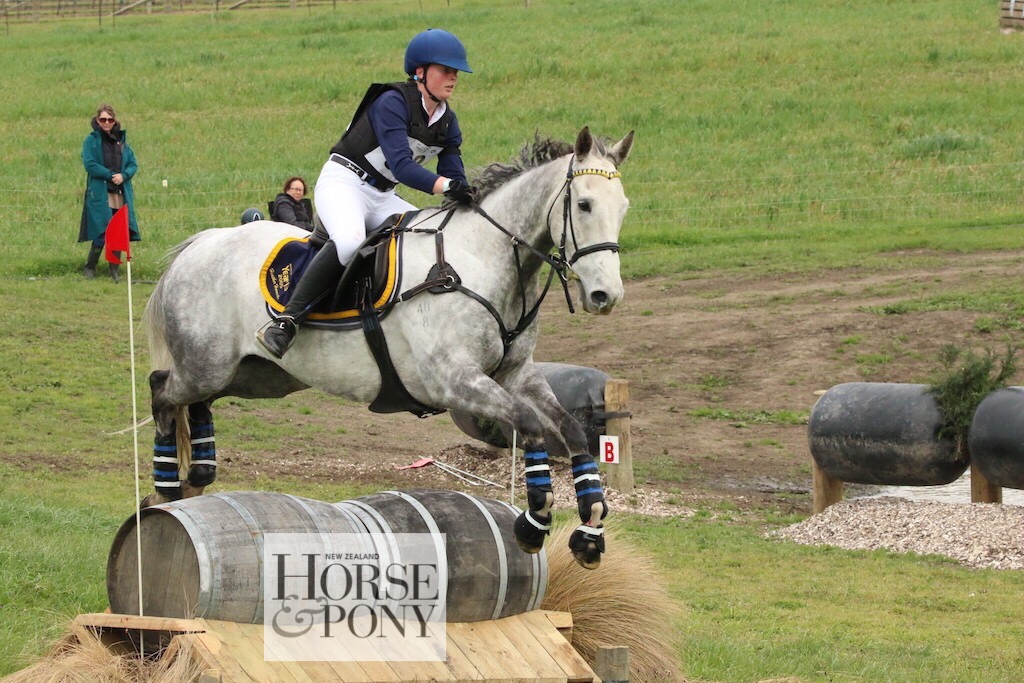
(882, 433)
(203, 556)
(489, 577)
(996, 437)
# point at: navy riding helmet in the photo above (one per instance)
(436, 46)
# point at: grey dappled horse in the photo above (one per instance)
(469, 350)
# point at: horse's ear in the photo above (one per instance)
(584, 142)
(620, 150)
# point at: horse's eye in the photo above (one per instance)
(584, 205)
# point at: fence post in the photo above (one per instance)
(983, 491)
(616, 403)
(612, 664)
(826, 490)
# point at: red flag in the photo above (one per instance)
(117, 236)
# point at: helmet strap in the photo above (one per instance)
(424, 82)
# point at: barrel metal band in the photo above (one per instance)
(499, 545)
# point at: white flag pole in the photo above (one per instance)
(135, 426)
(135, 438)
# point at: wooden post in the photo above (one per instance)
(612, 664)
(616, 402)
(826, 490)
(982, 491)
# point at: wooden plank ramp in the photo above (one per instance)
(527, 648)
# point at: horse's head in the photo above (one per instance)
(593, 208)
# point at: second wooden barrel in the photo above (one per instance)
(996, 437)
(579, 390)
(489, 577)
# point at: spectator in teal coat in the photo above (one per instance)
(110, 166)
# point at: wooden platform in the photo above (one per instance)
(527, 647)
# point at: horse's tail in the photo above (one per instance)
(183, 435)
(153, 317)
(160, 357)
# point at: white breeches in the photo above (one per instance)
(348, 207)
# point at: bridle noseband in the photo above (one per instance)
(567, 224)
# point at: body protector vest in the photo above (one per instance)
(359, 143)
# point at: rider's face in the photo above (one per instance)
(440, 80)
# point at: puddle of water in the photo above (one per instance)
(957, 492)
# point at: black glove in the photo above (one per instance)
(460, 192)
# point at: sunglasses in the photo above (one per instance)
(104, 119)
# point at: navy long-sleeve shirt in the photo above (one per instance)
(390, 119)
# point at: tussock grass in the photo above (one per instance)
(623, 602)
(81, 656)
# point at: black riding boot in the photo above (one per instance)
(321, 275)
(90, 263)
(115, 269)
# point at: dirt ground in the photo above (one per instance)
(736, 349)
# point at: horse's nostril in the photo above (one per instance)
(599, 298)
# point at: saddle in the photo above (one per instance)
(367, 291)
(370, 282)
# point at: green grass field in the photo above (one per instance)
(776, 136)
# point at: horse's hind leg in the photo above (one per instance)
(193, 429)
(165, 444)
(202, 470)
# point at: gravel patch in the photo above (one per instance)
(977, 535)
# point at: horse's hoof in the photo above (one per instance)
(530, 530)
(153, 499)
(199, 477)
(587, 545)
(190, 491)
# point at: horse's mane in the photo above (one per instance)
(532, 155)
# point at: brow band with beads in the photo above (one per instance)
(596, 171)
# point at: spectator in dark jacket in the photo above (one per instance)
(291, 205)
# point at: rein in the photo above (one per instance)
(443, 278)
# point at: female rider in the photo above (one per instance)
(396, 128)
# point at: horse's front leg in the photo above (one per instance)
(534, 524)
(587, 541)
(474, 393)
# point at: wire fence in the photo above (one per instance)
(664, 212)
(20, 11)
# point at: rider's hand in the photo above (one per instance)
(461, 192)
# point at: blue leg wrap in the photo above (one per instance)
(538, 480)
(203, 470)
(589, 492)
(587, 541)
(165, 466)
(534, 524)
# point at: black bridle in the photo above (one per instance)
(443, 278)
